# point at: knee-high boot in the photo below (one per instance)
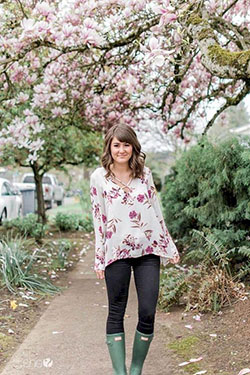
(140, 349)
(117, 351)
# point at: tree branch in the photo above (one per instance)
(229, 102)
(219, 61)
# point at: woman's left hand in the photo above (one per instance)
(175, 259)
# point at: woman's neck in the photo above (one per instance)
(120, 169)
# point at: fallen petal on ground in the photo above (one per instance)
(197, 317)
(244, 371)
(184, 363)
(195, 359)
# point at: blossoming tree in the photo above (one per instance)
(119, 60)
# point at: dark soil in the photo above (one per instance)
(226, 352)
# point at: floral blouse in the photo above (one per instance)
(128, 224)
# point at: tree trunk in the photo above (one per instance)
(39, 193)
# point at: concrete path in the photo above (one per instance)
(78, 316)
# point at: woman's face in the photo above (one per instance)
(121, 151)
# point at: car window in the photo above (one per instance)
(29, 179)
(5, 189)
(46, 180)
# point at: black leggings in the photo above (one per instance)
(147, 276)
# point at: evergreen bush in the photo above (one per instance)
(207, 193)
(27, 226)
(73, 222)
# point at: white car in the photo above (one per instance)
(11, 203)
(52, 190)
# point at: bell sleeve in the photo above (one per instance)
(99, 220)
(169, 244)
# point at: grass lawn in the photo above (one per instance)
(72, 207)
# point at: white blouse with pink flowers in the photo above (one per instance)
(128, 224)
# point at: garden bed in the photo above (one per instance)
(19, 313)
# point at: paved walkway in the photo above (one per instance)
(78, 316)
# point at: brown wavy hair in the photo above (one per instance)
(123, 133)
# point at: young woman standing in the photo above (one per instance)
(130, 233)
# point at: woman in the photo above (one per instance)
(129, 233)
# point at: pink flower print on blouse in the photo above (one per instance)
(113, 194)
(111, 226)
(121, 253)
(104, 219)
(148, 233)
(149, 194)
(109, 234)
(132, 214)
(130, 241)
(164, 242)
(140, 198)
(97, 211)
(128, 199)
(94, 191)
(149, 250)
(136, 220)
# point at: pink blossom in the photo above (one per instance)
(167, 18)
(22, 97)
(140, 198)
(132, 214)
(31, 158)
(149, 250)
(94, 191)
(104, 218)
(31, 119)
(28, 26)
(109, 234)
(44, 8)
(150, 193)
(36, 145)
(58, 111)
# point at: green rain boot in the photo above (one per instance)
(117, 351)
(140, 350)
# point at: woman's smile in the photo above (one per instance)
(121, 150)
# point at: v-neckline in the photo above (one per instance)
(120, 187)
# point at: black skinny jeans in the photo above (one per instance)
(147, 277)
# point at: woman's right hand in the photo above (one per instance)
(100, 274)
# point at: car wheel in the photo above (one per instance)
(49, 204)
(59, 203)
(3, 216)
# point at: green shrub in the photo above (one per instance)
(72, 222)
(86, 223)
(198, 288)
(173, 285)
(15, 268)
(67, 222)
(27, 226)
(208, 191)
